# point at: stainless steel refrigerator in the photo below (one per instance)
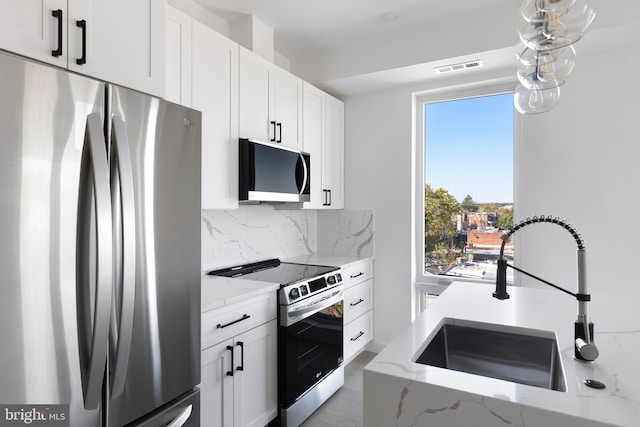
(99, 253)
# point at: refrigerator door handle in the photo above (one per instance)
(93, 307)
(122, 199)
(182, 418)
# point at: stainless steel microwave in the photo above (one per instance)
(271, 173)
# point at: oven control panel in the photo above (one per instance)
(298, 291)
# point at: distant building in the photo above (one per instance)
(486, 243)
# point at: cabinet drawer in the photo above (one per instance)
(357, 272)
(226, 322)
(358, 300)
(357, 334)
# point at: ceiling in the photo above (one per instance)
(348, 46)
(303, 25)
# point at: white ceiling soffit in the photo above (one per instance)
(495, 63)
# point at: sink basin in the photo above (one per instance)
(512, 354)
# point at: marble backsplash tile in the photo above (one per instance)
(346, 232)
(254, 233)
(257, 232)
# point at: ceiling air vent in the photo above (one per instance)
(458, 67)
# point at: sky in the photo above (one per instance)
(469, 147)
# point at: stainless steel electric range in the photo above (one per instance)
(310, 332)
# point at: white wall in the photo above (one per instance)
(378, 176)
(580, 161)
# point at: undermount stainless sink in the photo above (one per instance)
(512, 354)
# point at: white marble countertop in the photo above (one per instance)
(400, 392)
(217, 292)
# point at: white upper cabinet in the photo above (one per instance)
(202, 73)
(35, 28)
(313, 137)
(177, 83)
(119, 41)
(270, 102)
(214, 91)
(334, 153)
(323, 136)
(288, 109)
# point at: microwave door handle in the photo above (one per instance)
(305, 175)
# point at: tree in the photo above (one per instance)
(468, 205)
(505, 220)
(490, 207)
(439, 210)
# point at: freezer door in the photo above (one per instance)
(182, 412)
(163, 359)
(43, 124)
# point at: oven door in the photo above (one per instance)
(310, 348)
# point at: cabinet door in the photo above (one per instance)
(288, 109)
(28, 27)
(124, 42)
(334, 152)
(256, 97)
(215, 92)
(216, 387)
(255, 392)
(177, 87)
(313, 139)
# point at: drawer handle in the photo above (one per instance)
(230, 372)
(244, 317)
(358, 275)
(357, 336)
(353, 304)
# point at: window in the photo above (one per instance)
(464, 185)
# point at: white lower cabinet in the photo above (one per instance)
(358, 307)
(239, 375)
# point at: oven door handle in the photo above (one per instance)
(317, 306)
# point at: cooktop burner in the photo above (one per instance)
(274, 271)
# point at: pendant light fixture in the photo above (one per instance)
(548, 31)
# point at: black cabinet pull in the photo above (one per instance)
(274, 131)
(230, 372)
(279, 126)
(357, 336)
(353, 304)
(241, 345)
(325, 197)
(244, 317)
(357, 275)
(82, 24)
(329, 204)
(58, 14)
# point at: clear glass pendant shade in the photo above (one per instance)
(550, 29)
(545, 70)
(535, 101)
(530, 8)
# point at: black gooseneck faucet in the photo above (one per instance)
(585, 349)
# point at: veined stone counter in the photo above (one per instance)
(399, 392)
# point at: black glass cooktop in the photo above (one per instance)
(274, 271)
